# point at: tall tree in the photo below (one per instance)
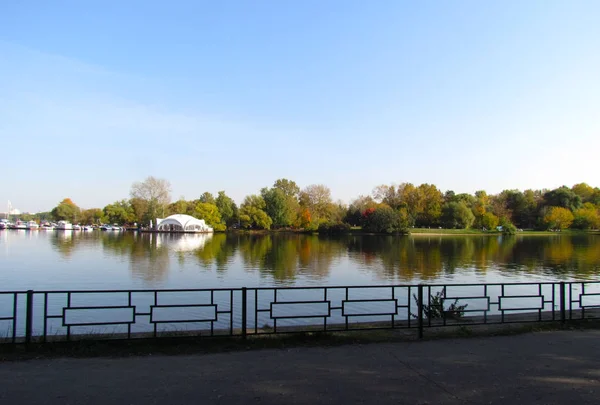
(558, 218)
(432, 200)
(289, 187)
(281, 208)
(586, 217)
(66, 210)
(119, 212)
(281, 202)
(252, 214)
(210, 214)
(178, 207)
(207, 197)
(317, 198)
(155, 192)
(457, 215)
(92, 216)
(584, 191)
(140, 210)
(562, 197)
(228, 209)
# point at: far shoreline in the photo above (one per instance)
(411, 232)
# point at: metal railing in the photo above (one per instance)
(27, 316)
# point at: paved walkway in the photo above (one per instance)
(540, 368)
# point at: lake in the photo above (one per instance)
(50, 260)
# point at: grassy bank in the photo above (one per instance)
(433, 231)
(417, 231)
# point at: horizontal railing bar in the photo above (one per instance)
(378, 314)
(182, 305)
(102, 307)
(299, 302)
(98, 324)
(301, 317)
(166, 290)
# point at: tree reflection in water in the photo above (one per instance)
(284, 257)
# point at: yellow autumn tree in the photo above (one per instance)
(558, 218)
(587, 217)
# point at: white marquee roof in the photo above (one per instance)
(182, 220)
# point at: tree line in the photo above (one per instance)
(388, 209)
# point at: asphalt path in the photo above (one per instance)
(559, 367)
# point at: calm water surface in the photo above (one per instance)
(107, 260)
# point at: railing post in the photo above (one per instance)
(244, 313)
(563, 307)
(420, 309)
(29, 318)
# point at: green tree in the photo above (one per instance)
(385, 219)
(584, 191)
(207, 197)
(280, 207)
(558, 218)
(562, 197)
(432, 200)
(92, 216)
(457, 215)
(119, 212)
(411, 201)
(289, 187)
(180, 206)
(227, 208)
(489, 221)
(210, 214)
(252, 214)
(66, 210)
(140, 210)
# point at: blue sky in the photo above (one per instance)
(232, 95)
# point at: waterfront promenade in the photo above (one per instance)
(557, 367)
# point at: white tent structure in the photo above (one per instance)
(182, 223)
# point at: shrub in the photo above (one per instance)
(435, 309)
(334, 228)
(384, 220)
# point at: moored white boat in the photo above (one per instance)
(105, 228)
(64, 226)
(77, 227)
(20, 225)
(32, 226)
(46, 227)
(87, 228)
